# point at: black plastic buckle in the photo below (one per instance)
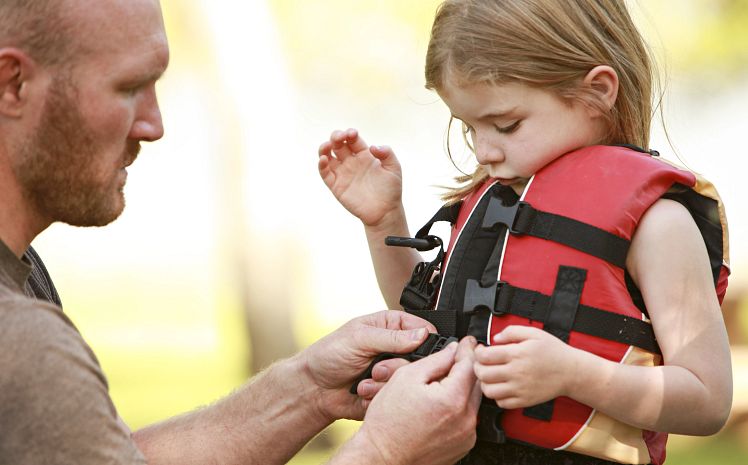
(504, 296)
(433, 344)
(420, 291)
(497, 213)
(478, 298)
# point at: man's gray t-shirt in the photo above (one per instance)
(54, 399)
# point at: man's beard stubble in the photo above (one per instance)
(58, 167)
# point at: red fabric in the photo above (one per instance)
(656, 443)
(607, 187)
(613, 188)
(722, 283)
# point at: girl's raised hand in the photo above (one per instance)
(366, 180)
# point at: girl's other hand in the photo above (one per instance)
(526, 366)
(366, 180)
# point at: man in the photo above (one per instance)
(77, 97)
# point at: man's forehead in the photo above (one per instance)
(126, 22)
(128, 29)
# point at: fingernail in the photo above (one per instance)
(375, 147)
(364, 389)
(452, 347)
(379, 372)
(417, 334)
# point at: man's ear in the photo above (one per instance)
(16, 68)
(603, 80)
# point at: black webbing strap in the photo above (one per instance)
(589, 320)
(522, 218)
(489, 422)
(478, 325)
(446, 213)
(562, 313)
(444, 320)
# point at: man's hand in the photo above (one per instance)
(426, 413)
(333, 362)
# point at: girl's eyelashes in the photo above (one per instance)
(507, 129)
(468, 130)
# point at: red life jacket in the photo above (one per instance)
(558, 255)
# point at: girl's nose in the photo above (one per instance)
(486, 152)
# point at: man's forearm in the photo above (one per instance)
(266, 421)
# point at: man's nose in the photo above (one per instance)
(148, 125)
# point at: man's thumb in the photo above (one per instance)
(395, 340)
(435, 366)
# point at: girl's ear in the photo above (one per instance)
(603, 80)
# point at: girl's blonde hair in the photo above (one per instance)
(548, 44)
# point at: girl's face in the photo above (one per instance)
(516, 129)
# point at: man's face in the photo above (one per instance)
(97, 112)
(61, 169)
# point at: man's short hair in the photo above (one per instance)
(41, 28)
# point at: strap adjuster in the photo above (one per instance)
(504, 297)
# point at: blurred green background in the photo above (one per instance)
(231, 253)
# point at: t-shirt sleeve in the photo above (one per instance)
(54, 400)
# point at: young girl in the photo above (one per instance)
(587, 265)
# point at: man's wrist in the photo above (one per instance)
(361, 449)
(315, 398)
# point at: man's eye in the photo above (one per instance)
(131, 89)
(508, 129)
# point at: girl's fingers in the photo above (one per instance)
(354, 141)
(325, 148)
(494, 355)
(499, 392)
(385, 155)
(340, 146)
(491, 373)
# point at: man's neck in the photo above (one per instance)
(19, 221)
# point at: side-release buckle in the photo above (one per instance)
(420, 291)
(495, 298)
(478, 297)
(499, 214)
(433, 343)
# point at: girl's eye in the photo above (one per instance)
(508, 129)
